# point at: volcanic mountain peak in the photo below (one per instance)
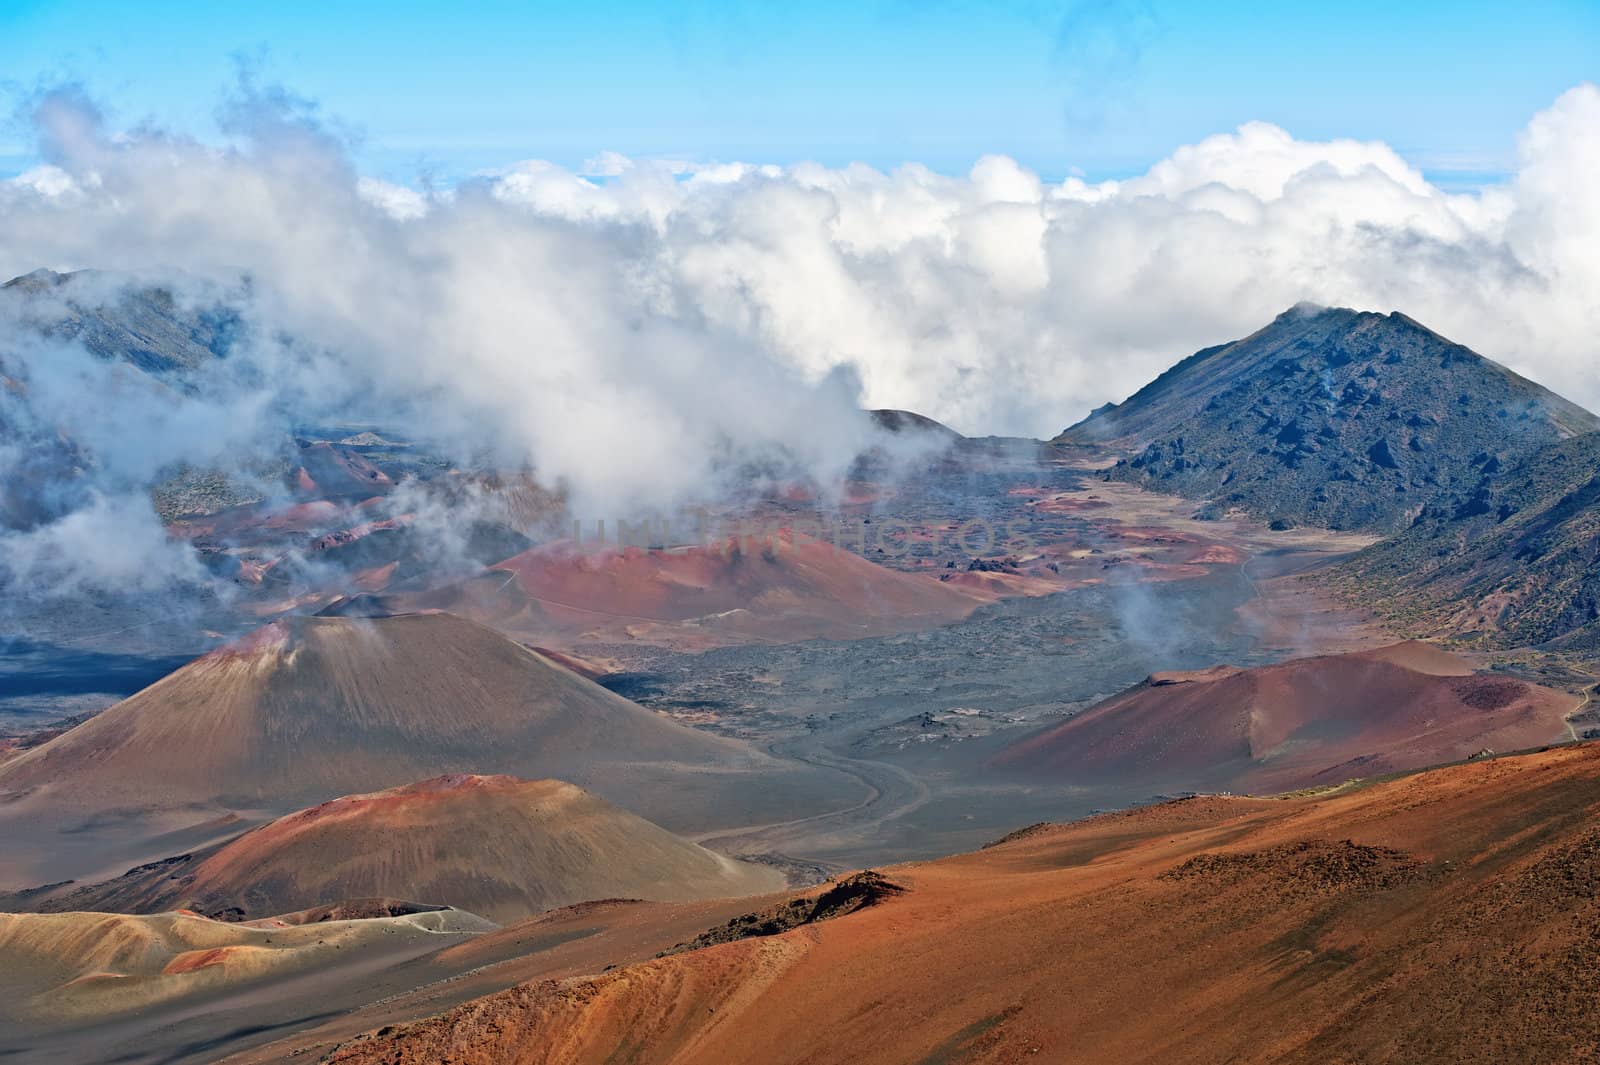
(1298, 723)
(312, 708)
(41, 280)
(1331, 417)
(266, 646)
(906, 421)
(497, 846)
(774, 588)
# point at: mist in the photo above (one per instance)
(642, 335)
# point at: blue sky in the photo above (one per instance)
(1102, 88)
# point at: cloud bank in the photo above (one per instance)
(637, 330)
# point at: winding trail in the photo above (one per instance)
(1588, 697)
(891, 793)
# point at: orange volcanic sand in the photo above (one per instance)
(270, 520)
(496, 846)
(1448, 916)
(80, 968)
(1302, 722)
(558, 944)
(343, 537)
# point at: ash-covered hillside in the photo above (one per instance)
(1514, 561)
(1331, 417)
(116, 318)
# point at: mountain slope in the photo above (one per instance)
(1330, 417)
(1515, 561)
(499, 847)
(1445, 917)
(77, 969)
(906, 421)
(756, 589)
(1303, 722)
(312, 708)
(117, 318)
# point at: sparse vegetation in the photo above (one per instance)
(1332, 418)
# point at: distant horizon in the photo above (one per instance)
(1098, 90)
(18, 158)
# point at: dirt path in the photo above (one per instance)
(1588, 697)
(1283, 614)
(891, 793)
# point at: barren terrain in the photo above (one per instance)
(1446, 916)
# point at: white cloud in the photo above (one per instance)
(46, 180)
(112, 545)
(1003, 305)
(633, 329)
(397, 201)
(1262, 160)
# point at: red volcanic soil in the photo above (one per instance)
(306, 709)
(736, 591)
(268, 531)
(1056, 567)
(499, 847)
(1303, 722)
(376, 578)
(342, 537)
(253, 571)
(1175, 547)
(336, 471)
(993, 585)
(235, 523)
(591, 666)
(1445, 917)
(196, 960)
(1217, 555)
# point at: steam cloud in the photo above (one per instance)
(634, 331)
